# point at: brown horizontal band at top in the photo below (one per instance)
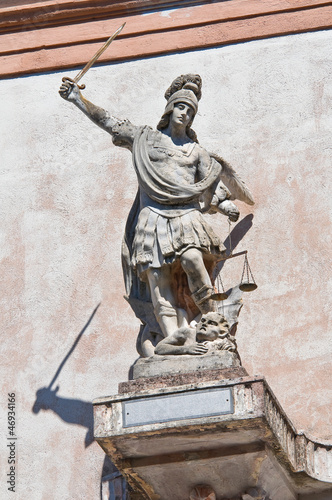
(29, 14)
(203, 25)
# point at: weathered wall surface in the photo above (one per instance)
(65, 193)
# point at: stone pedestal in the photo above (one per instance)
(230, 434)
(155, 366)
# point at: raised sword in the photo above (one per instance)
(93, 59)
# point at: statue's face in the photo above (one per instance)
(182, 114)
(211, 327)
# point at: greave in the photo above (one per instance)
(202, 299)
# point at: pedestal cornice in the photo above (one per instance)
(256, 429)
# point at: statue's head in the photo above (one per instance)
(185, 89)
(212, 326)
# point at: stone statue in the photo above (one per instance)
(169, 250)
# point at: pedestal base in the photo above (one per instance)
(229, 434)
(169, 380)
(162, 365)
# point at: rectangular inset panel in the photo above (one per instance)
(181, 406)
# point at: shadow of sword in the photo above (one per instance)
(36, 407)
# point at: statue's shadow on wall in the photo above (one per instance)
(71, 411)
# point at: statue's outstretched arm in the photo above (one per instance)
(70, 92)
(172, 344)
(177, 344)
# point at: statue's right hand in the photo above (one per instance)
(69, 90)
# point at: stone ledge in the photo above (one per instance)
(258, 429)
(148, 383)
(174, 365)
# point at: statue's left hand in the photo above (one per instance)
(229, 208)
(197, 348)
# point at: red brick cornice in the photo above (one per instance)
(27, 14)
(50, 35)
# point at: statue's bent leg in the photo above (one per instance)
(198, 279)
(163, 299)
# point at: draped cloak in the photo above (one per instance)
(164, 221)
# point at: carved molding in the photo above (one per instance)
(253, 401)
(305, 454)
(25, 14)
(54, 35)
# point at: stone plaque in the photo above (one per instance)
(180, 406)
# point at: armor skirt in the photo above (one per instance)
(162, 238)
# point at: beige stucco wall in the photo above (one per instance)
(65, 192)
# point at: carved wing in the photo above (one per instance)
(233, 182)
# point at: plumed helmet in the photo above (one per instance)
(186, 89)
(185, 95)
